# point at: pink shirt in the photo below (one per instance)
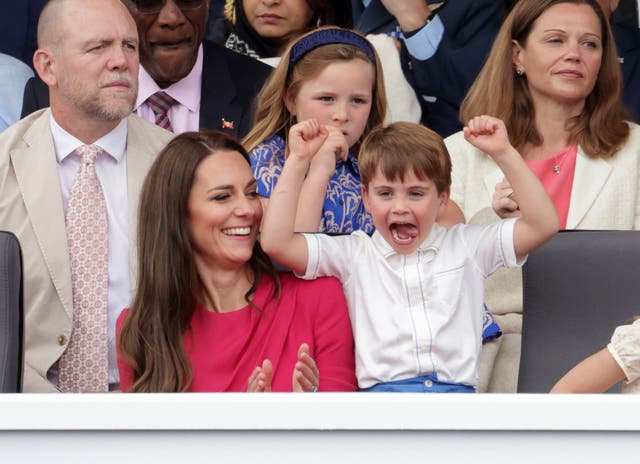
(224, 348)
(556, 174)
(185, 115)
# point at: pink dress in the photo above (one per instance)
(224, 348)
(556, 174)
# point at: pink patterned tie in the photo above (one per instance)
(160, 103)
(83, 366)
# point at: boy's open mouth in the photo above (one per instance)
(403, 233)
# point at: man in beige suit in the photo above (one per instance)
(88, 56)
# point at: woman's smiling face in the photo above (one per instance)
(224, 211)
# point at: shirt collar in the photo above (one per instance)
(186, 91)
(114, 142)
(432, 242)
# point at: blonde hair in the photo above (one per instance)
(600, 128)
(402, 147)
(272, 116)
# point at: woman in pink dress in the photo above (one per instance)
(210, 312)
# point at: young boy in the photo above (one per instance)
(414, 289)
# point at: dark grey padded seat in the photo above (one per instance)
(576, 289)
(11, 315)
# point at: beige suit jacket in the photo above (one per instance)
(31, 207)
(605, 195)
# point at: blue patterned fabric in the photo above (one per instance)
(490, 328)
(343, 210)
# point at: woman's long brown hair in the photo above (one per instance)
(600, 128)
(151, 336)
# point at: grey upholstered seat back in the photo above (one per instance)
(576, 289)
(11, 315)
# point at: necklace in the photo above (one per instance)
(559, 159)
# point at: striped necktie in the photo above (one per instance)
(160, 103)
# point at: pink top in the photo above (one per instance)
(224, 348)
(556, 174)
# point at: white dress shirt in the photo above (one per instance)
(415, 314)
(111, 168)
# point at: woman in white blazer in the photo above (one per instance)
(554, 78)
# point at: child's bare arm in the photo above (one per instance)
(595, 374)
(539, 219)
(314, 188)
(278, 237)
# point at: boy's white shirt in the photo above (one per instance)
(420, 313)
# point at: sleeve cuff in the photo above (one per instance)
(618, 360)
(313, 260)
(424, 43)
(507, 246)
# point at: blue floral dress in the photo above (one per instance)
(343, 210)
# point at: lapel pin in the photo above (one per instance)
(621, 59)
(227, 124)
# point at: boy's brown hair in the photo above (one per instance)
(404, 146)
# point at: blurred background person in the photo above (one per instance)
(13, 76)
(627, 40)
(443, 47)
(18, 28)
(628, 13)
(263, 29)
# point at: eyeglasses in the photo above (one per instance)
(154, 6)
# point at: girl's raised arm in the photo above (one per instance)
(278, 237)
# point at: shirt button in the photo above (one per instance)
(62, 340)
(428, 383)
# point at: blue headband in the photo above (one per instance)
(326, 37)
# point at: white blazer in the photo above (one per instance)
(605, 195)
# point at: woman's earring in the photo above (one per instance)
(519, 71)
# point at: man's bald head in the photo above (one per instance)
(55, 17)
(88, 56)
(50, 31)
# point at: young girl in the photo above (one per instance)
(332, 75)
(619, 361)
